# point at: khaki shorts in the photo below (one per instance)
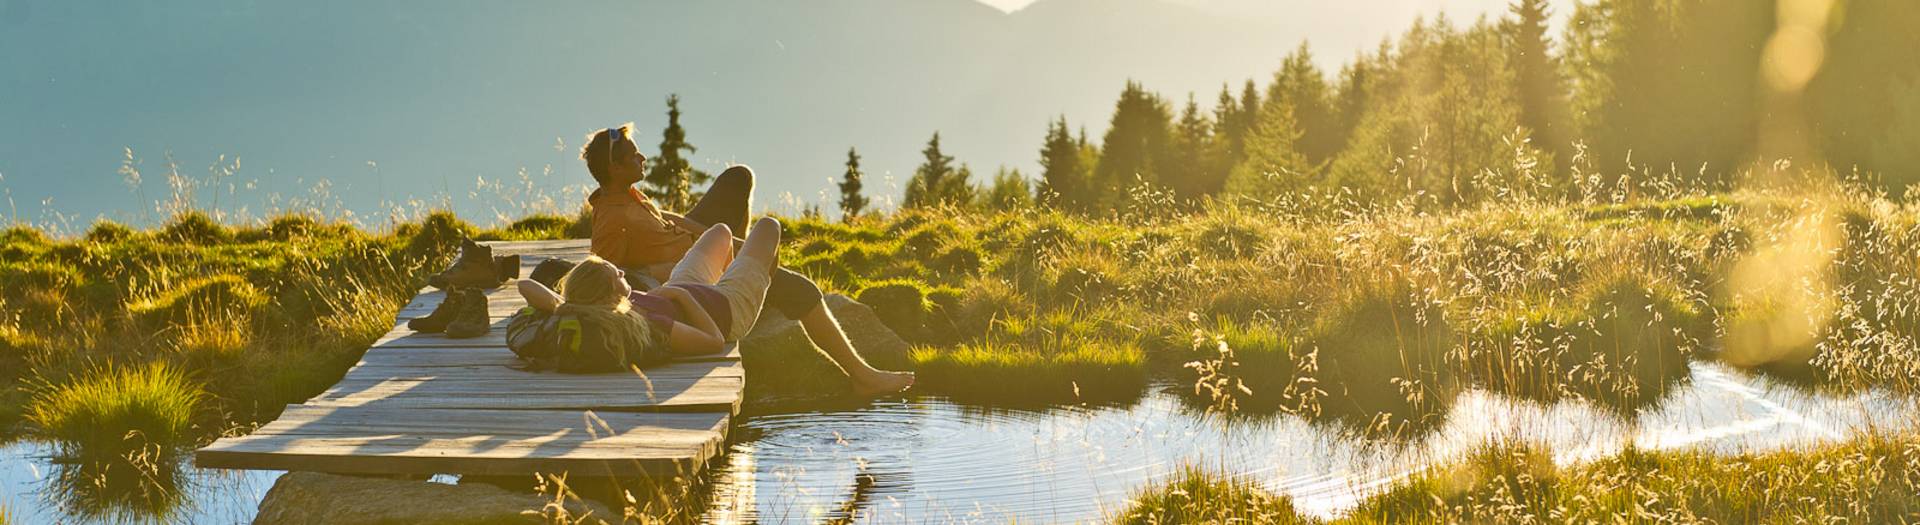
(743, 283)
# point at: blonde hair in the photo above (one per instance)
(593, 282)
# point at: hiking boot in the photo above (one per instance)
(507, 267)
(443, 314)
(470, 316)
(474, 268)
(549, 272)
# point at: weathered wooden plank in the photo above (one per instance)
(703, 394)
(500, 303)
(426, 404)
(308, 420)
(565, 245)
(484, 356)
(364, 440)
(401, 337)
(688, 370)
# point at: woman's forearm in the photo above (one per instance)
(539, 296)
(691, 312)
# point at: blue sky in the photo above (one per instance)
(360, 105)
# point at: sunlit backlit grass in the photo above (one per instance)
(113, 411)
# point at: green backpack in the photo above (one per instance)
(575, 344)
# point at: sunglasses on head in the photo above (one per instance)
(612, 139)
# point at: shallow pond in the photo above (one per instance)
(927, 459)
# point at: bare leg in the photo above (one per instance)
(706, 259)
(825, 332)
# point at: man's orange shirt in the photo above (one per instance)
(629, 231)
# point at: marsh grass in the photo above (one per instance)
(1018, 374)
(1868, 479)
(1369, 316)
(1194, 495)
(114, 411)
(261, 315)
(143, 485)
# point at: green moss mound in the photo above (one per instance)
(193, 227)
(106, 231)
(1493, 483)
(198, 300)
(1623, 342)
(534, 228)
(1381, 360)
(1015, 374)
(114, 411)
(1194, 495)
(901, 304)
(436, 236)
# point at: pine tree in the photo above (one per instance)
(1442, 121)
(1352, 97)
(851, 201)
(1191, 173)
(1300, 84)
(1063, 177)
(1672, 84)
(671, 176)
(1136, 147)
(1249, 105)
(1538, 79)
(1274, 164)
(1865, 103)
(936, 182)
(1008, 191)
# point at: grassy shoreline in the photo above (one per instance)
(1369, 321)
(1866, 479)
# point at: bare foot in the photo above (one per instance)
(882, 382)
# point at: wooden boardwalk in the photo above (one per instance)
(425, 404)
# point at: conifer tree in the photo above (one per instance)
(1443, 123)
(1137, 145)
(1351, 97)
(1008, 191)
(1865, 103)
(1300, 85)
(851, 201)
(1541, 88)
(1226, 119)
(1672, 84)
(935, 182)
(1249, 105)
(1063, 176)
(670, 176)
(1274, 164)
(1191, 173)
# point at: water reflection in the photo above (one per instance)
(139, 487)
(928, 459)
(931, 460)
(42, 488)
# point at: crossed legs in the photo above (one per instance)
(796, 296)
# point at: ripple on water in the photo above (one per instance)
(930, 459)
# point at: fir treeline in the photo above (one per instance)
(1452, 114)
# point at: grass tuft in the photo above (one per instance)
(117, 410)
(194, 227)
(220, 297)
(1194, 495)
(1092, 371)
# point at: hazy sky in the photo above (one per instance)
(368, 101)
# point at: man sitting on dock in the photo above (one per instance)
(631, 232)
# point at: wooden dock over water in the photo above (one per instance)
(425, 404)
